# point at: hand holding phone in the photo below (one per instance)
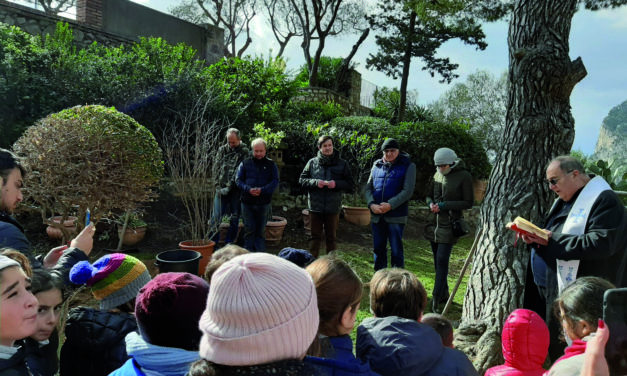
(615, 317)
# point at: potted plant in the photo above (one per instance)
(224, 228)
(274, 230)
(132, 230)
(114, 167)
(69, 223)
(190, 143)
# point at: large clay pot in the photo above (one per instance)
(69, 224)
(132, 235)
(357, 215)
(224, 230)
(205, 248)
(274, 230)
(479, 187)
(307, 222)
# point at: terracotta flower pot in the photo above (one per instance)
(132, 235)
(224, 230)
(205, 248)
(356, 215)
(479, 187)
(69, 224)
(307, 222)
(274, 230)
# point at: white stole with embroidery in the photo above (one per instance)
(576, 225)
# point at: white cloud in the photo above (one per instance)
(615, 18)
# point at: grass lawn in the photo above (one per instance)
(418, 260)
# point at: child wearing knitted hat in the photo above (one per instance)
(94, 343)
(168, 309)
(18, 316)
(261, 316)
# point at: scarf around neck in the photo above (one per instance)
(326, 160)
(158, 360)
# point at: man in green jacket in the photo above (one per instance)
(227, 198)
(325, 177)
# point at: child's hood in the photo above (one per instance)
(393, 346)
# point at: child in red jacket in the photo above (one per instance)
(525, 342)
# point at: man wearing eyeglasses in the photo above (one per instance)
(588, 236)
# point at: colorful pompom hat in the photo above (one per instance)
(114, 279)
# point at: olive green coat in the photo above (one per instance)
(455, 191)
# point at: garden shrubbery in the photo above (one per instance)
(89, 157)
(156, 83)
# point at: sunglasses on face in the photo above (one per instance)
(552, 182)
(441, 166)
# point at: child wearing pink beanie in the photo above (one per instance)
(261, 317)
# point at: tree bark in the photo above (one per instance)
(406, 62)
(539, 126)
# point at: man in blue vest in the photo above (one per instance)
(389, 188)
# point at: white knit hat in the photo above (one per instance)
(261, 308)
(7, 262)
(444, 156)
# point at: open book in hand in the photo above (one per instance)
(523, 226)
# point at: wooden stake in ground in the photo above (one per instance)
(461, 274)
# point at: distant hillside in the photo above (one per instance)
(612, 143)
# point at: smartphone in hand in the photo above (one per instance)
(615, 317)
(87, 217)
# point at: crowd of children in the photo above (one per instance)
(260, 314)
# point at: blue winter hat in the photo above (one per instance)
(299, 257)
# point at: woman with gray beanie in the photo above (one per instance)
(451, 193)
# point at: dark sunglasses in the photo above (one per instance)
(554, 181)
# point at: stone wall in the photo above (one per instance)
(38, 23)
(350, 105)
(115, 22)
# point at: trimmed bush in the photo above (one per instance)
(92, 157)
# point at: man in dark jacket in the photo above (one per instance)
(228, 195)
(389, 188)
(587, 227)
(325, 177)
(59, 260)
(257, 177)
(394, 341)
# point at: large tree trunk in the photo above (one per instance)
(539, 126)
(406, 62)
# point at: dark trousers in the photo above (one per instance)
(255, 219)
(381, 233)
(323, 225)
(227, 205)
(441, 257)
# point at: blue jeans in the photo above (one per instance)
(441, 257)
(381, 233)
(227, 205)
(255, 219)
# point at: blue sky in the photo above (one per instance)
(599, 38)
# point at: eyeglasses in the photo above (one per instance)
(552, 182)
(441, 166)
